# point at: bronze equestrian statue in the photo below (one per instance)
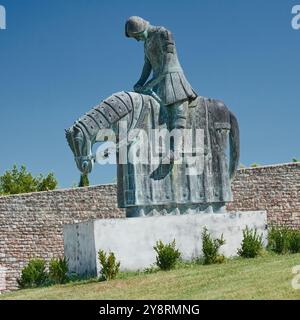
(166, 102)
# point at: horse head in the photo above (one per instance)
(81, 147)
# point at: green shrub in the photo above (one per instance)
(252, 244)
(58, 270)
(210, 248)
(254, 165)
(283, 240)
(110, 267)
(34, 274)
(278, 239)
(167, 255)
(84, 181)
(294, 241)
(152, 269)
(74, 277)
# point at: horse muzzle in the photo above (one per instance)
(85, 164)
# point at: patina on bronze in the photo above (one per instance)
(162, 103)
(169, 81)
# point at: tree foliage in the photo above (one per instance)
(84, 181)
(17, 181)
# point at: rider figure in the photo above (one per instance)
(168, 82)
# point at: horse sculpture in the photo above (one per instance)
(144, 188)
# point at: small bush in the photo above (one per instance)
(74, 277)
(252, 245)
(34, 274)
(167, 255)
(110, 267)
(254, 165)
(152, 269)
(282, 240)
(58, 270)
(210, 248)
(294, 241)
(84, 181)
(278, 240)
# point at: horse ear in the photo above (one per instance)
(69, 139)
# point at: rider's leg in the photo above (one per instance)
(180, 115)
(177, 120)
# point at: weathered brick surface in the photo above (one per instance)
(272, 188)
(31, 224)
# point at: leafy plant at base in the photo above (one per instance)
(252, 244)
(210, 248)
(294, 241)
(167, 255)
(58, 270)
(152, 269)
(110, 267)
(278, 239)
(282, 240)
(34, 274)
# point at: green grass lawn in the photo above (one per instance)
(267, 277)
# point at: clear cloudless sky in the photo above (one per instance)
(59, 58)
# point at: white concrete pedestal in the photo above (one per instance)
(132, 239)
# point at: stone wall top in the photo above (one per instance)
(106, 185)
(270, 166)
(63, 190)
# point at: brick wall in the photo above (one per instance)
(31, 224)
(272, 188)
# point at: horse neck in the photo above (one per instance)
(106, 114)
(109, 112)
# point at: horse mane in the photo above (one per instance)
(103, 115)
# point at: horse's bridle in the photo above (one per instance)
(86, 158)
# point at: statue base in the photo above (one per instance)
(177, 209)
(132, 239)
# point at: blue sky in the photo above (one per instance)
(58, 58)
